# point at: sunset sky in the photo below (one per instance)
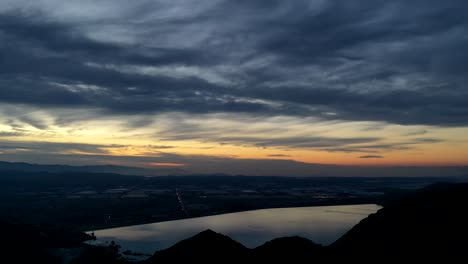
(248, 86)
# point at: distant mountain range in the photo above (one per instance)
(235, 167)
(124, 170)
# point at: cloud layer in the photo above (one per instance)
(395, 62)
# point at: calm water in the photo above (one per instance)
(322, 225)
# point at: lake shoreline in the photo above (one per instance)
(169, 219)
(321, 224)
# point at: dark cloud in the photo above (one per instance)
(340, 26)
(416, 133)
(279, 156)
(371, 157)
(160, 147)
(390, 61)
(379, 147)
(49, 148)
(299, 142)
(37, 123)
(262, 137)
(10, 134)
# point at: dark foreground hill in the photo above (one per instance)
(211, 247)
(207, 246)
(20, 243)
(288, 250)
(427, 225)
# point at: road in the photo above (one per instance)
(181, 203)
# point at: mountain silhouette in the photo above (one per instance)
(205, 247)
(288, 249)
(428, 224)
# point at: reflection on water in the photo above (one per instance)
(320, 224)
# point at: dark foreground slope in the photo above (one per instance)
(29, 244)
(288, 250)
(427, 225)
(206, 247)
(211, 247)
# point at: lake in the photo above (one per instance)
(323, 225)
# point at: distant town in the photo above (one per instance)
(91, 201)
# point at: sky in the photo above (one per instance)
(258, 87)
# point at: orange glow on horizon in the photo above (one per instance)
(221, 137)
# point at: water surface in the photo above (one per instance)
(322, 225)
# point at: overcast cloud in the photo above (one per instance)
(390, 61)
